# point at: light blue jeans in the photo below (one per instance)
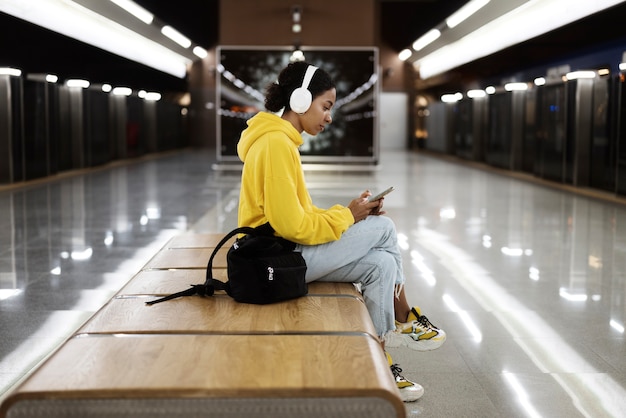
(368, 254)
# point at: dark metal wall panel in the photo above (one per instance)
(149, 125)
(498, 149)
(552, 132)
(170, 129)
(603, 150)
(36, 129)
(518, 99)
(6, 155)
(479, 128)
(464, 128)
(64, 147)
(529, 140)
(11, 129)
(118, 119)
(582, 131)
(621, 137)
(437, 127)
(96, 111)
(77, 127)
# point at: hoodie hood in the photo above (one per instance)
(261, 124)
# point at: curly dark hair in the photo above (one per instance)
(290, 78)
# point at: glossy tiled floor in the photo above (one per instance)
(529, 282)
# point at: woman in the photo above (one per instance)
(343, 243)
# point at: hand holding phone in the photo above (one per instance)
(380, 195)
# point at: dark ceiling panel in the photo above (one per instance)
(196, 19)
(402, 22)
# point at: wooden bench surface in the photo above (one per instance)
(220, 314)
(313, 356)
(186, 258)
(193, 240)
(165, 282)
(109, 368)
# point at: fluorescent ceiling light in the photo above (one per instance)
(405, 54)
(135, 10)
(427, 38)
(465, 12)
(515, 86)
(176, 36)
(75, 82)
(51, 78)
(575, 75)
(122, 91)
(107, 88)
(532, 19)
(297, 55)
(622, 66)
(451, 98)
(540, 81)
(10, 71)
(200, 52)
(476, 94)
(152, 96)
(94, 29)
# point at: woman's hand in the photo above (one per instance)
(378, 210)
(361, 207)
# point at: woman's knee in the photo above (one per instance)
(382, 265)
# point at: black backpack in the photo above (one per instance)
(262, 268)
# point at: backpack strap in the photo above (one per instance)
(210, 285)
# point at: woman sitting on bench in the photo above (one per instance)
(340, 244)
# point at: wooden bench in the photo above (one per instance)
(309, 357)
(211, 376)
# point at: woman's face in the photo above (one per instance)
(315, 119)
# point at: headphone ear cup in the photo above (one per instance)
(300, 100)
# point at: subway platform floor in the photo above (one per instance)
(528, 281)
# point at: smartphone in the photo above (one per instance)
(381, 194)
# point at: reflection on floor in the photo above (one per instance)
(528, 282)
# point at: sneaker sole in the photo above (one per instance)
(411, 396)
(395, 340)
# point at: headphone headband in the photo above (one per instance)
(308, 76)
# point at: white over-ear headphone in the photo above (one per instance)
(301, 98)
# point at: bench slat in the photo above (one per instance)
(277, 367)
(221, 314)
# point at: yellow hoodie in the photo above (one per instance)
(273, 187)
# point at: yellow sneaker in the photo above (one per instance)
(409, 391)
(418, 333)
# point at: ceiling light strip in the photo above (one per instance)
(533, 18)
(426, 39)
(135, 10)
(176, 36)
(465, 12)
(94, 29)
